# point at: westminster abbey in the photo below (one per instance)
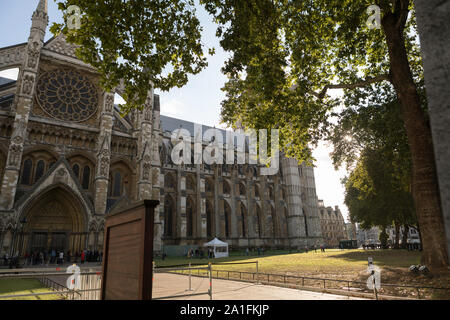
(67, 158)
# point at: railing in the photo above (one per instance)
(49, 283)
(90, 284)
(319, 283)
(347, 287)
(189, 269)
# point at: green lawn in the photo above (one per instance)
(333, 261)
(24, 286)
(335, 264)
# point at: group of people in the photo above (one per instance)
(52, 256)
(200, 253)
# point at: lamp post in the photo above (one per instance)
(22, 223)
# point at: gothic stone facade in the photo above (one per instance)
(67, 158)
(332, 224)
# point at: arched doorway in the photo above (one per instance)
(55, 220)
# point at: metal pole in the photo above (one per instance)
(190, 281)
(257, 272)
(210, 281)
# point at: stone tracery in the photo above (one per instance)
(67, 95)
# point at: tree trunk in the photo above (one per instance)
(397, 235)
(405, 236)
(434, 28)
(425, 184)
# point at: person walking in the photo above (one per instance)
(82, 256)
(41, 258)
(61, 257)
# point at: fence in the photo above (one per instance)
(189, 272)
(338, 286)
(90, 284)
(345, 287)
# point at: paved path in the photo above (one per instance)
(171, 285)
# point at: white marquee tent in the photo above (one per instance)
(220, 248)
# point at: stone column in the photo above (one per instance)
(251, 212)
(145, 150)
(294, 202)
(313, 220)
(218, 209)
(24, 99)
(234, 211)
(161, 204)
(201, 204)
(434, 29)
(157, 178)
(181, 200)
(104, 153)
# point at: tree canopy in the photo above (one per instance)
(141, 44)
(288, 55)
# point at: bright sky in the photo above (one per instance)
(199, 101)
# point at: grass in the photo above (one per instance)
(25, 286)
(332, 261)
(336, 264)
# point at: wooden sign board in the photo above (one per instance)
(128, 252)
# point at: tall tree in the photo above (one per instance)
(288, 55)
(370, 133)
(434, 29)
(376, 193)
(138, 43)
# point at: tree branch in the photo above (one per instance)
(403, 10)
(360, 84)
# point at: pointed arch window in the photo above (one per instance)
(208, 219)
(227, 222)
(168, 212)
(306, 222)
(40, 168)
(86, 177)
(242, 191)
(243, 220)
(76, 170)
(189, 219)
(257, 191)
(117, 185)
(26, 172)
(258, 221)
(226, 187)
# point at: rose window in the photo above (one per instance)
(67, 95)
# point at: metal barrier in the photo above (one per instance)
(90, 284)
(189, 269)
(91, 281)
(320, 283)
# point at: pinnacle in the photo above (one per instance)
(42, 6)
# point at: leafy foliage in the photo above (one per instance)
(377, 191)
(286, 55)
(137, 43)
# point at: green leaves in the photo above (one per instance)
(285, 52)
(371, 139)
(147, 44)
